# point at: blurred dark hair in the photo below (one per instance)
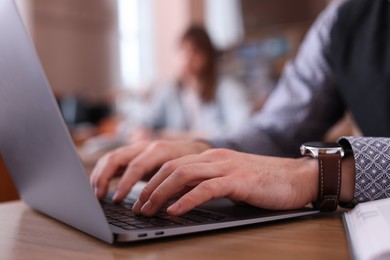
(198, 36)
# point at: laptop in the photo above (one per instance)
(48, 173)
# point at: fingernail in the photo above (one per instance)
(146, 208)
(137, 207)
(99, 192)
(116, 195)
(173, 208)
(96, 190)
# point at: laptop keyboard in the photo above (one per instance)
(121, 215)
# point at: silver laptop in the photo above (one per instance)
(48, 172)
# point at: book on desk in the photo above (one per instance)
(368, 229)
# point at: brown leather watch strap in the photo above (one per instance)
(329, 182)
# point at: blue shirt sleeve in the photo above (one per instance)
(372, 168)
(304, 105)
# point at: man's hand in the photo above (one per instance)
(135, 161)
(266, 182)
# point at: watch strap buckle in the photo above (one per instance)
(327, 204)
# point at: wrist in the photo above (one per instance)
(309, 173)
(328, 156)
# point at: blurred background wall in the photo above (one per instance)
(79, 42)
(76, 42)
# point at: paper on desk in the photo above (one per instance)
(369, 229)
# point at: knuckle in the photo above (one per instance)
(141, 143)
(108, 158)
(112, 154)
(169, 166)
(158, 145)
(156, 196)
(99, 181)
(189, 199)
(218, 152)
(145, 193)
(181, 174)
(207, 187)
(136, 167)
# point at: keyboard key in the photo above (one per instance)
(121, 215)
(129, 227)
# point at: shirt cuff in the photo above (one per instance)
(372, 167)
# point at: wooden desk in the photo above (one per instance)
(26, 234)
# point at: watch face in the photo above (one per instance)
(322, 145)
(314, 149)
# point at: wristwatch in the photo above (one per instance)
(329, 163)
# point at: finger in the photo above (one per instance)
(208, 156)
(205, 191)
(167, 169)
(182, 177)
(155, 155)
(117, 159)
(112, 164)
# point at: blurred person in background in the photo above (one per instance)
(200, 103)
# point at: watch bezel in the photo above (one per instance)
(314, 149)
